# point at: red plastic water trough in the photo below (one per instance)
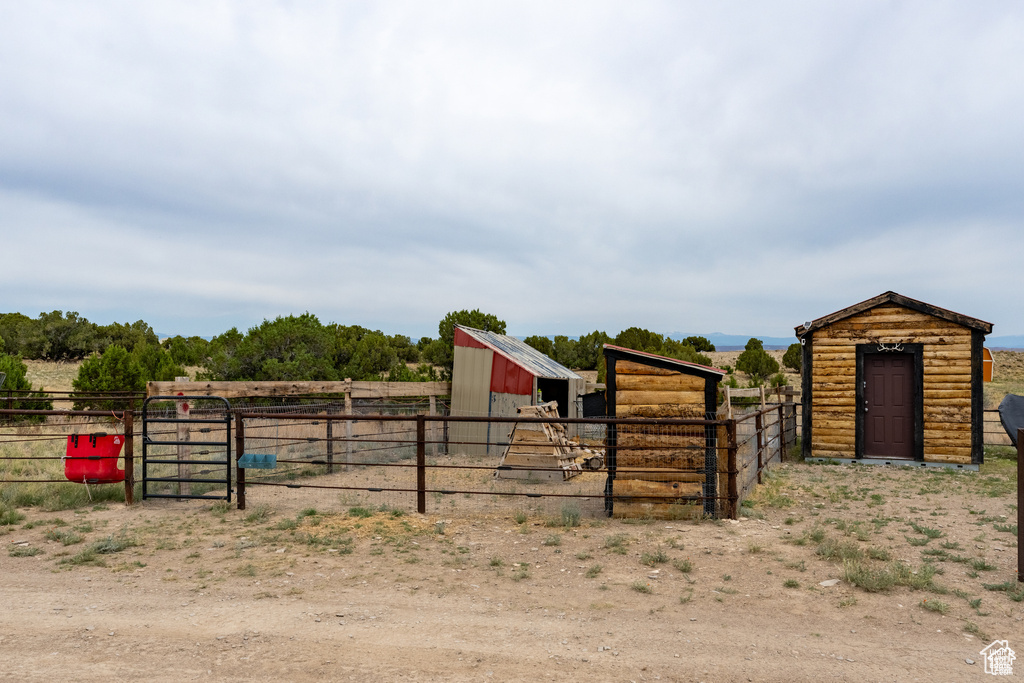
(92, 458)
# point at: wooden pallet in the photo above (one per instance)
(542, 451)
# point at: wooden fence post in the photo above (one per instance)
(759, 433)
(184, 433)
(421, 465)
(734, 491)
(129, 457)
(239, 450)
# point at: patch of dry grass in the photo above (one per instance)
(52, 376)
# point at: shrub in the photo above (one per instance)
(114, 370)
(702, 344)
(132, 336)
(564, 350)
(187, 351)
(542, 344)
(445, 351)
(756, 362)
(793, 358)
(589, 350)
(63, 337)
(16, 370)
(156, 364)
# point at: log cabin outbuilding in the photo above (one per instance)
(674, 463)
(893, 380)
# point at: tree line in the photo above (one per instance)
(124, 356)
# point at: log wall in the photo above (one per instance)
(946, 359)
(657, 462)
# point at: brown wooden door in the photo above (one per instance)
(889, 405)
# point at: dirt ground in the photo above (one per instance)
(283, 591)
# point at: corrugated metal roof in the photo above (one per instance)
(521, 353)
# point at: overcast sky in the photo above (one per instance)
(734, 167)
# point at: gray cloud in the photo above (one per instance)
(680, 166)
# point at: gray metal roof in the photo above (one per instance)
(522, 354)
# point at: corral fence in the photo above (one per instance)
(400, 461)
(993, 432)
(391, 454)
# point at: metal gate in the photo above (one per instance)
(186, 447)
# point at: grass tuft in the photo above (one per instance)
(571, 515)
(1013, 589)
(65, 536)
(23, 551)
(883, 579)
(655, 558)
(935, 606)
(685, 566)
(617, 543)
(260, 513)
(10, 516)
(831, 549)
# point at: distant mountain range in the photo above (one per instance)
(731, 342)
(1013, 342)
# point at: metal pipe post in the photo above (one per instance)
(239, 450)
(330, 446)
(421, 465)
(129, 457)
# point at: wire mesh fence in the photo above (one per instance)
(674, 468)
(329, 454)
(35, 467)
